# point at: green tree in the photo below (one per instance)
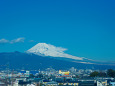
(111, 73)
(40, 75)
(94, 74)
(31, 76)
(102, 74)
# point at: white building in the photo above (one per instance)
(112, 83)
(102, 83)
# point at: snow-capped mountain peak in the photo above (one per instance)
(51, 50)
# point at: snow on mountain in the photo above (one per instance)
(51, 50)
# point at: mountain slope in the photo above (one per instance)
(51, 50)
(18, 60)
(43, 49)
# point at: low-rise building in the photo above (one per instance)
(52, 83)
(112, 83)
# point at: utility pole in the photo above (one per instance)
(7, 72)
(12, 78)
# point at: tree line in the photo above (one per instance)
(109, 73)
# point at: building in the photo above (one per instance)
(102, 83)
(52, 83)
(64, 73)
(112, 83)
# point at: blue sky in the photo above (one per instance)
(85, 27)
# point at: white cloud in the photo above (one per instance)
(17, 40)
(83, 62)
(4, 41)
(12, 41)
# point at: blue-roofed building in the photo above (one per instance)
(52, 83)
(45, 82)
(112, 83)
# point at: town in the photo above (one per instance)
(52, 77)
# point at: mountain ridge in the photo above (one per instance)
(18, 60)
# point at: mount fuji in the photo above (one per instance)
(42, 56)
(48, 50)
(51, 50)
